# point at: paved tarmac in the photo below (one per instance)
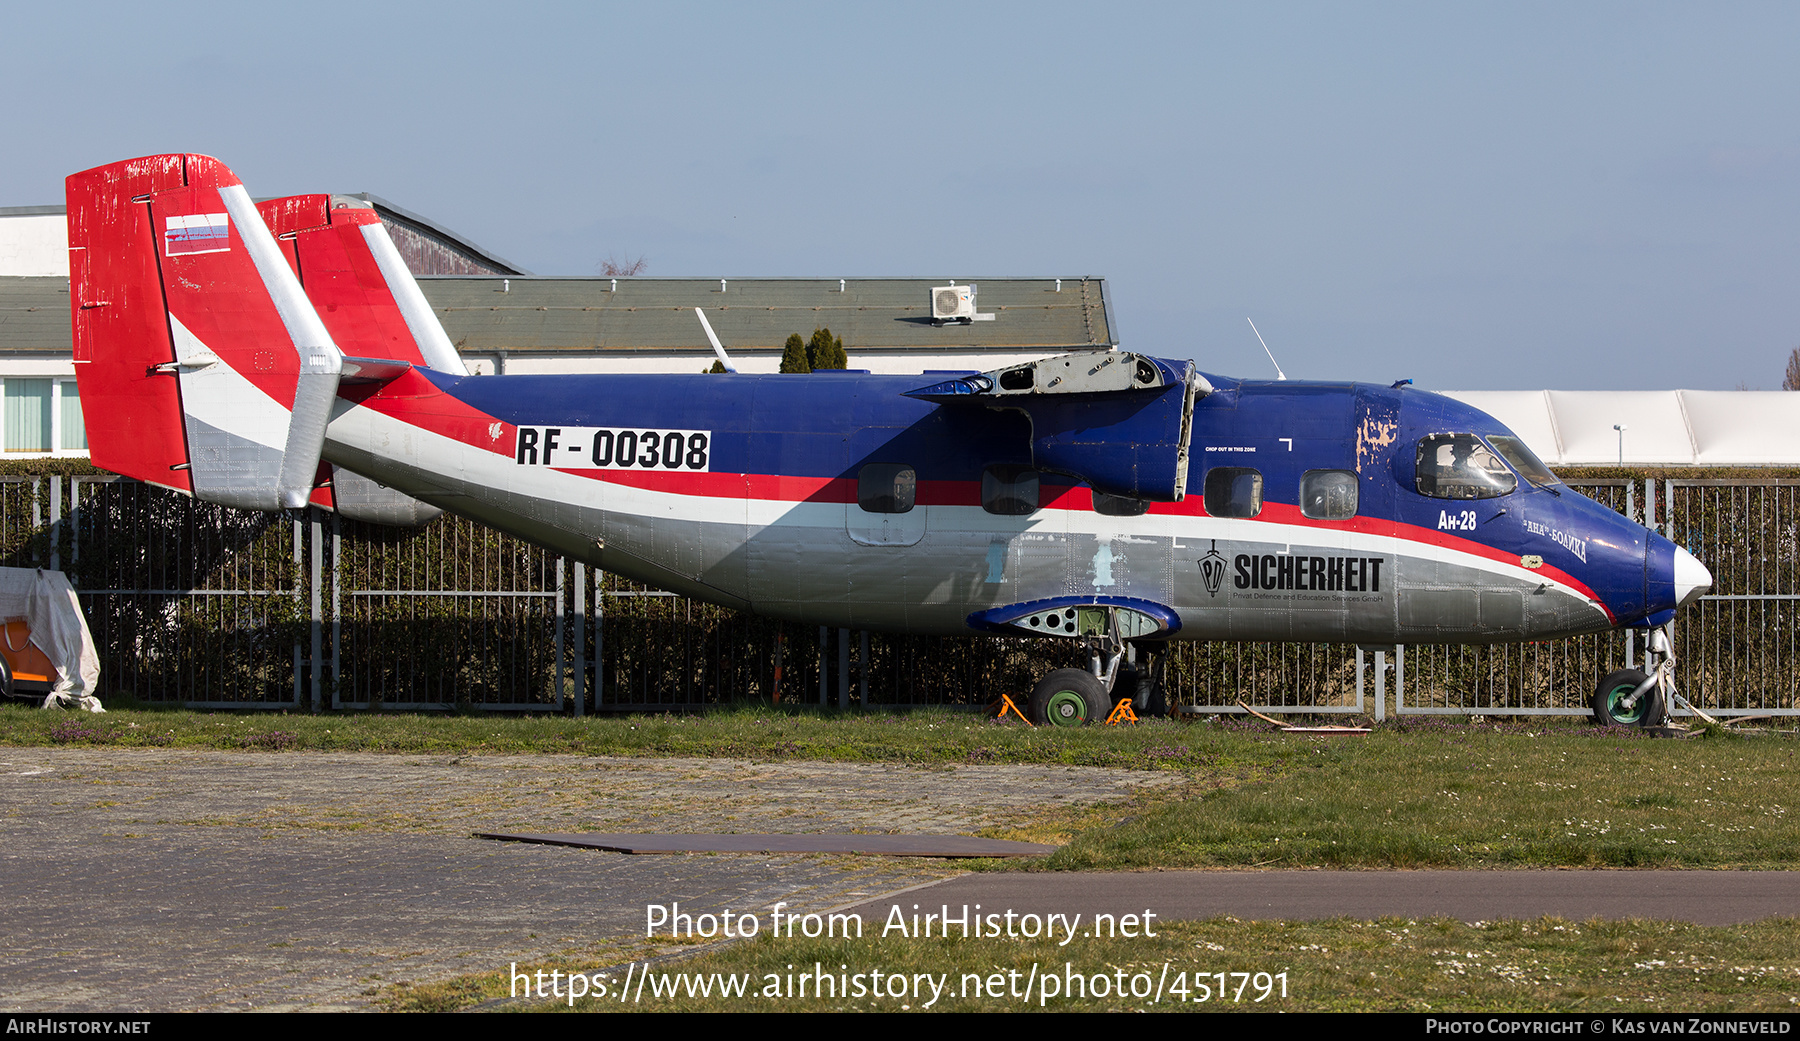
(159, 880)
(162, 880)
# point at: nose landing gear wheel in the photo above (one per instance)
(1608, 704)
(1069, 698)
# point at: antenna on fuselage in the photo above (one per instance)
(718, 348)
(1278, 373)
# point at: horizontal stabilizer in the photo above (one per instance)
(373, 370)
(360, 499)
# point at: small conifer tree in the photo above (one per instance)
(793, 355)
(826, 351)
(717, 366)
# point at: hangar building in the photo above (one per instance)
(505, 320)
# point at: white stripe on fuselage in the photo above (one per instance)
(460, 468)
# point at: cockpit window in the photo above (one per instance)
(1459, 466)
(1523, 460)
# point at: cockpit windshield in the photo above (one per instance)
(1524, 460)
(1460, 466)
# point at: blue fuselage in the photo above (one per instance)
(1304, 516)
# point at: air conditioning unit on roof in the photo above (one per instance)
(952, 303)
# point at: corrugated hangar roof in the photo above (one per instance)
(569, 314)
(555, 315)
(34, 314)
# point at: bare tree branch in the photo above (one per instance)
(615, 268)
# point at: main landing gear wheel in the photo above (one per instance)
(1069, 698)
(1609, 697)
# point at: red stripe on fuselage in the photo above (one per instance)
(775, 488)
(414, 399)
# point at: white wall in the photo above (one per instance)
(35, 244)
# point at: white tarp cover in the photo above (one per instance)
(47, 602)
(1662, 427)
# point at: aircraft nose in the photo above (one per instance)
(1691, 577)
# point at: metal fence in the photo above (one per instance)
(1736, 647)
(211, 607)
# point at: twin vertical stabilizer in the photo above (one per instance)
(210, 332)
(191, 328)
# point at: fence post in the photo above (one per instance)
(1631, 511)
(580, 637)
(299, 592)
(337, 611)
(843, 636)
(599, 637)
(561, 658)
(1380, 686)
(74, 525)
(56, 522)
(1399, 678)
(862, 672)
(1362, 704)
(317, 577)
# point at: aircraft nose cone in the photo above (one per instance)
(1691, 577)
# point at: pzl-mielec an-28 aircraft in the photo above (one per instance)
(1107, 497)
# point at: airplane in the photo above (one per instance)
(1109, 497)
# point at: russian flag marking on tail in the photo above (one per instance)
(187, 234)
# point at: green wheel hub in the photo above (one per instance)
(1067, 708)
(1632, 717)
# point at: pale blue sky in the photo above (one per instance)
(1500, 196)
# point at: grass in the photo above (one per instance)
(1403, 965)
(1460, 796)
(920, 737)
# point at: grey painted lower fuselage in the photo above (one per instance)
(829, 563)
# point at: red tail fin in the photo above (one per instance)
(357, 281)
(334, 250)
(196, 307)
(121, 336)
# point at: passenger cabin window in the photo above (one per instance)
(1524, 460)
(1328, 495)
(886, 488)
(1010, 491)
(1120, 505)
(1459, 466)
(1233, 491)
